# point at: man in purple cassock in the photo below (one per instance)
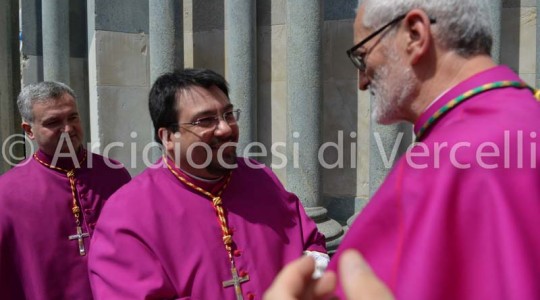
(201, 223)
(50, 202)
(458, 215)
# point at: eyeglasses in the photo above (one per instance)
(358, 59)
(231, 117)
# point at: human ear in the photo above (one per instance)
(27, 127)
(165, 135)
(419, 36)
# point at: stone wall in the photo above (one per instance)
(119, 80)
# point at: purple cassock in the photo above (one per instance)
(160, 239)
(37, 259)
(458, 217)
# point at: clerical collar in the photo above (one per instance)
(200, 178)
(63, 162)
(436, 99)
(209, 181)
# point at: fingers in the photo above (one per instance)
(293, 281)
(358, 280)
(324, 286)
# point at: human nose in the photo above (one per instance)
(67, 127)
(222, 127)
(363, 81)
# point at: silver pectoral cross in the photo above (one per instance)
(79, 237)
(236, 281)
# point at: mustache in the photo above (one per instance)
(217, 142)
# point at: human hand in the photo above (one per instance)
(359, 282)
(295, 282)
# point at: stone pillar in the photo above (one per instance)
(78, 62)
(165, 37)
(76, 65)
(387, 143)
(166, 42)
(240, 64)
(55, 26)
(304, 93)
(9, 85)
(496, 9)
(363, 153)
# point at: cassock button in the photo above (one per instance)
(243, 273)
(88, 211)
(237, 253)
(92, 225)
(250, 296)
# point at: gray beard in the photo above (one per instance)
(392, 88)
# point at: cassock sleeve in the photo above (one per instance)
(312, 238)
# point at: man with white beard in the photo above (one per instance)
(453, 219)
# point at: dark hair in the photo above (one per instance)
(162, 98)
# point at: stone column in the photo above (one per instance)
(304, 94)
(387, 144)
(166, 42)
(55, 26)
(240, 64)
(496, 9)
(9, 85)
(363, 153)
(165, 37)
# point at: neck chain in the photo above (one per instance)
(75, 209)
(454, 102)
(227, 237)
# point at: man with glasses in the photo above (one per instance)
(201, 223)
(457, 216)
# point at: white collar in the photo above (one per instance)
(202, 179)
(436, 99)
